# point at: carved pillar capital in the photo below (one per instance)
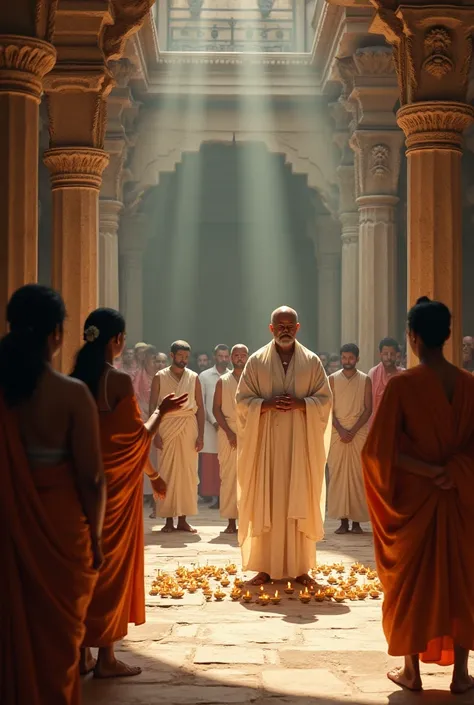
(76, 167)
(432, 49)
(24, 62)
(435, 125)
(377, 160)
(109, 215)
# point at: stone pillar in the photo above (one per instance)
(350, 277)
(109, 218)
(76, 175)
(132, 243)
(371, 91)
(432, 49)
(329, 278)
(24, 61)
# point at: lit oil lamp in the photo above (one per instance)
(177, 594)
(153, 592)
(264, 599)
(361, 595)
(276, 599)
(319, 596)
(362, 570)
(329, 592)
(332, 580)
(340, 596)
(305, 596)
(236, 594)
(231, 569)
(289, 589)
(374, 594)
(239, 583)
(247, 597)
(219, 595)
(192, 587)
(225, 582)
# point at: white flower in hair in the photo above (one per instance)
(91, 333)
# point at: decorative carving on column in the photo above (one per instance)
(432, 47)
(76, 167)
(129, 16)
(24, 62)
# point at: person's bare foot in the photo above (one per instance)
(344, 528)
(461, 684)
(168, 527)
(153, 514)
(405, 679)
(259, 579)
(307, 581)
(231, 527)
(184, 526)
(87, 662)
(356, 528)
(115, 669)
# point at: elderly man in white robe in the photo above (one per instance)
(283, 409)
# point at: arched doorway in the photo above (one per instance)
(229, 244)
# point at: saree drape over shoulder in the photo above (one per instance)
(281, 458)
(424, 536)
(46, 578)
(119, 597)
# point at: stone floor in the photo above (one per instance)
(198, 653)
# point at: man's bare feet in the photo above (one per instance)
(87, 662)
(356, 528)
(405, 678)
(115, 669)
(231, 527)
(307, 581)
(259, 579)
(344, 528)
(461, 684)
(153, 514)
(184, 526)
(168, 527)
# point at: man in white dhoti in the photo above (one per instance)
(352, 408)
(283, 408)
(225, 414)
(180, 439)
(208, 460)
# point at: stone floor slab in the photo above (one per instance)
(304, 682)
(228, 654)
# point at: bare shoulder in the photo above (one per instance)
(120, 382)
(74, 391)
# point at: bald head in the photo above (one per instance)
(284, 326)
(285, 312)
(239, 356)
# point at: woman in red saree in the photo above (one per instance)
(119, 596)
(51, 507)
(419, 475)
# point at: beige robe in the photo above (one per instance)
(281, 459)
(227, 454)
(178, 460)
(346, 498)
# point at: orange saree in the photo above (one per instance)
(46, 580)
(119, 596)
(424, 536)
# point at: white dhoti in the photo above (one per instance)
(346, 498)
(178, 460)
(281, 460)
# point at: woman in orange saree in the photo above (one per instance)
(119, 596)
(419, 476)
(51, 507)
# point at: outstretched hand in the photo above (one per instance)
(172, 403)
(159, 488)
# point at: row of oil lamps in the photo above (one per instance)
(198, 578)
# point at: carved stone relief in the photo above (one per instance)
(437, 44)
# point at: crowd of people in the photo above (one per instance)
(73, 450)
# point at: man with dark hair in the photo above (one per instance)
(209, 461)
(352, 408)
(180, 438)
(203, 362)
(334, 364)
(385, 370)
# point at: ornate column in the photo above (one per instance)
(328, 259)
(349, 218)
(132, 244)
(24, 61)
(121, 113)
(109, 219)
(432, 49)
(371, 90)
